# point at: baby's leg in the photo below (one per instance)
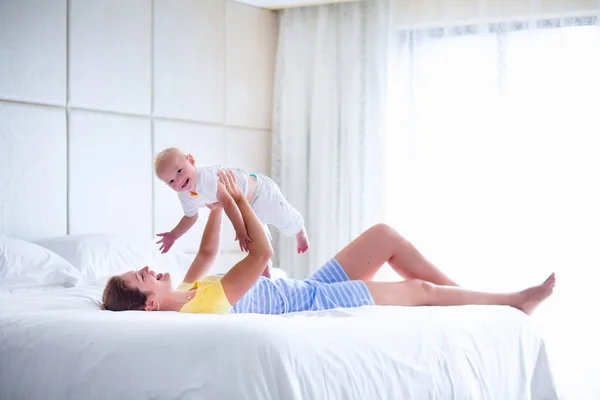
(272, 208)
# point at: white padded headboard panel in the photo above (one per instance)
(33, 171)
(109, 173)
(120, 80)
(249, 149)
(33, 50)
(186, 36)
(249, 49)
(110, 49)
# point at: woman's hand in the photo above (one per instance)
(213, 206)
(227, 178)
(230, 196)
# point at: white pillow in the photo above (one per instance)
(102, 255)
(27, 265)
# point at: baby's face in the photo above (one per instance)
(178, 173)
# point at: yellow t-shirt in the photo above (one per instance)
(209, 298)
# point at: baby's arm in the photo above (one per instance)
(184, 225)
(168, 238)
(235, 216)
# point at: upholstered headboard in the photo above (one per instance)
(91, 90)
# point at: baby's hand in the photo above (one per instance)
(243, 239)
(166, 242)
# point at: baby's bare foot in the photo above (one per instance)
(534, 296)
(302, 242)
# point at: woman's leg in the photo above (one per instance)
(417, 292)
(365, 255)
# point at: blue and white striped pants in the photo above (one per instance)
(329, 287)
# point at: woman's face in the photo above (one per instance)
(149, 282)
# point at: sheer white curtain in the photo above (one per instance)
(491, 152)
(328, 124)
(494, 148)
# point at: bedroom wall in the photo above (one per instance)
(91, 90)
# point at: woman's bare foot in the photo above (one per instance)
(534, 296)
(302, 242)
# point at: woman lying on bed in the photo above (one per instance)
(344, 281)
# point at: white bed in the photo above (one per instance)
(57, 344)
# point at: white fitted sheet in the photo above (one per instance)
(59, 344)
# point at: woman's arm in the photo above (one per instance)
(209, 247)
(233, 213)
(245, 273)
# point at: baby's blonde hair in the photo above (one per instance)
(165, 154)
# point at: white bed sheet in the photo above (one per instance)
(58, 345)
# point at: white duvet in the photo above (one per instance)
(59, 345)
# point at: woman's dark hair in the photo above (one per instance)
(118, 296)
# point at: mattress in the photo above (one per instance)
(57, 344)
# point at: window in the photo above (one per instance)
(497, 142)
(494, 155)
